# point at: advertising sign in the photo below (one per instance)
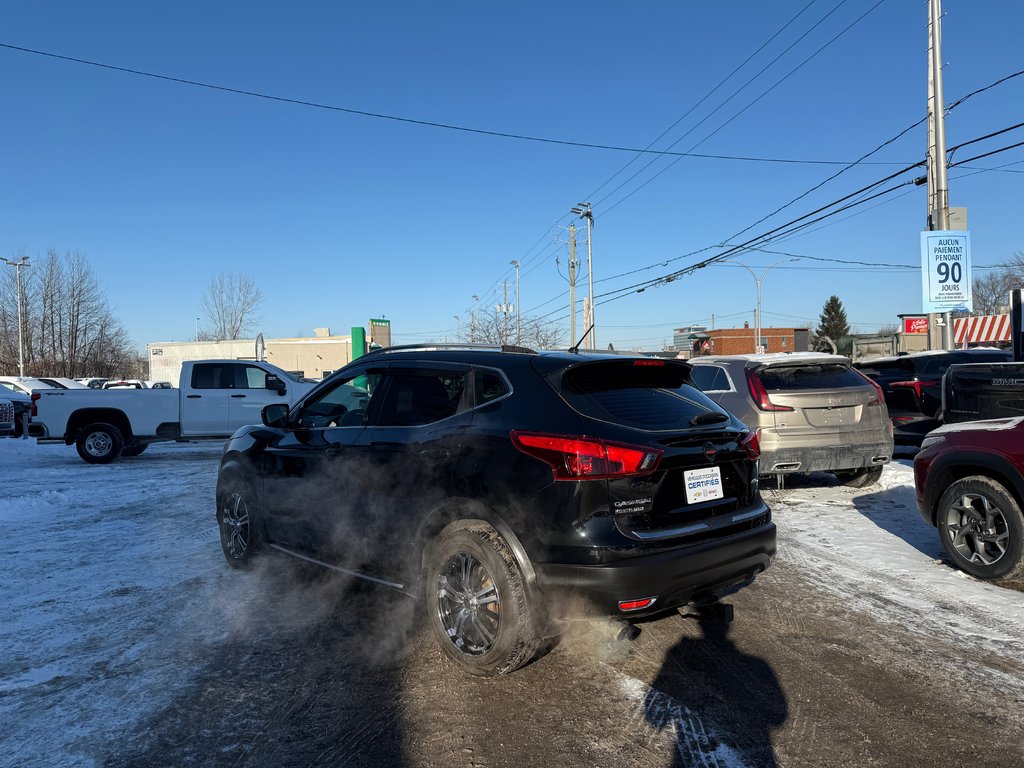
(917, 325)
(946, 271)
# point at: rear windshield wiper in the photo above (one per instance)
(708, 417)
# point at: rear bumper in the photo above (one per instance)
(837, 452)
(675, 577)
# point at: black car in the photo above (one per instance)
(511, 490)
(912, 385)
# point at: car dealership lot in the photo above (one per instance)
(128, 641)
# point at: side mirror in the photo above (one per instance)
(275, 384)
(275, 415)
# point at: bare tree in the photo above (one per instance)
(230, 303)
(69, 329)
(991, 291)
(500, 328)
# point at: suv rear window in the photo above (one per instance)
(646, 396)
(809, 376)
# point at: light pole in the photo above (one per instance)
(584, 211)
(472, 320)
(458, 328)
(18, 266)
(759, 280)
(515, 263)
(197, 329)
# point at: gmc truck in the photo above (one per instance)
(214, 398)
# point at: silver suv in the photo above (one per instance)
(813, 412)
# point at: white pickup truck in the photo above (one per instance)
(214, 398)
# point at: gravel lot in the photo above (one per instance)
(127, 641)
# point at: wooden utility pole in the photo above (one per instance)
(572, 283)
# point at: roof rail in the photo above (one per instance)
(480, 347)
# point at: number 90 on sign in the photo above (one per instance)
(949, 272)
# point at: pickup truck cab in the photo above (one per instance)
(213, 399)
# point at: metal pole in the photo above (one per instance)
(758, 280)
(472, 319)
(515, 263)
(572, 283)
(590, 279)
(18, 265)
(939, 218)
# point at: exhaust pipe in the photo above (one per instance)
(786, 466)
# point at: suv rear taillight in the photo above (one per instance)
(917, 386)
(751, 443)
(35, 399)
(879, 394)
(760, 394)
(587, 458)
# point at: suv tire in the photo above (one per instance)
(476, 598)
(99, 443)
(240, 536)
(982, 528)
(860, 478)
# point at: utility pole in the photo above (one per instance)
(572, 283)
(583, 210)
(515, 263)
(938, 182)
(18, 266)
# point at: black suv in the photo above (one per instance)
(912, 385)
(504, 486)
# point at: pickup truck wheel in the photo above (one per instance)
(860, 478)
(240, 539)
(477, 602)
(134, 448)
(981, 527)
(99, 443)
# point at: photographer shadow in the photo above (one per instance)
(720, 704)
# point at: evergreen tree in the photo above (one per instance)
(832, 322)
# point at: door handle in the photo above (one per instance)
(238, 395)
(193, 397)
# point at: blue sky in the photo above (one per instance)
(342, 217)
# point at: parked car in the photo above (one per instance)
(503, 486)
(60, 382)
(22, 405)
(912, 385)
(6, 417)
(979, 391)
(24, 384)
(813, 412)
(214, 399)
(970, 485)
(93, 382)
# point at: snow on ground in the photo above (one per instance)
(111, 580)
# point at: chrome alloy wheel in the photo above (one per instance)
(468, 604)
(977, 529)
(98, 444)
(234, 526)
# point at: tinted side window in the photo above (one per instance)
(341, 405)
(489, 386)
(829, 376)
(886, 369)
(213, 376)
(647, 397)
(420, 397)
(710, 378)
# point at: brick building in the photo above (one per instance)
(740, 341)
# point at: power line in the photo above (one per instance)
(410, 120)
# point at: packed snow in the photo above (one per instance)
(112, 582)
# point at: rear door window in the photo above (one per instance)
(711, 378)
(421, 396)
(809, 376)
(647, 396)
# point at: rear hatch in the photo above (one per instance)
(706, 474)
(819, 397)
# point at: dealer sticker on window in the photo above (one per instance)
(703, 484)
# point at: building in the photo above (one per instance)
(312, 357)
(740, 341)
(683, 338)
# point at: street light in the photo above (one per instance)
(515, 263)
(18, 266)
(472, 320)
(458, 328)
(758, 280)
